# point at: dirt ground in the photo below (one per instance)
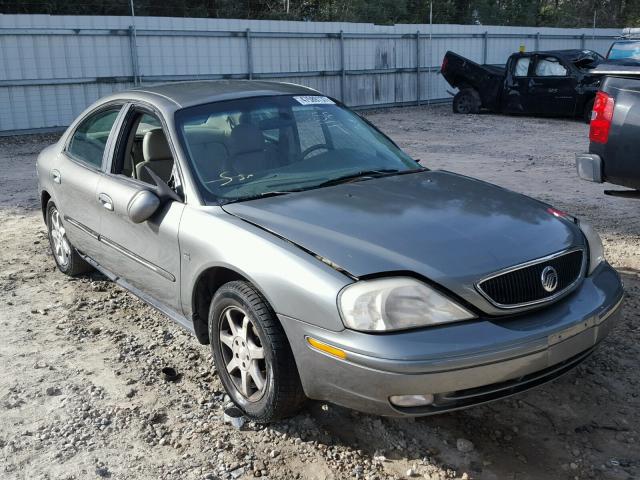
(81, 395)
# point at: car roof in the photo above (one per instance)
(568, 53)
(185, 94)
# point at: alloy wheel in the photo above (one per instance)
(243, 353)
(61, 246)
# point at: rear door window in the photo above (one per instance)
(89, 140)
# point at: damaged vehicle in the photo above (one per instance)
(553, 83)
(315, 257)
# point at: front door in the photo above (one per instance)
(552, 87)
(145, 255)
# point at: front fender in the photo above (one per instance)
(295, 283)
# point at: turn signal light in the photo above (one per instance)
(326, 348)
(601, 117)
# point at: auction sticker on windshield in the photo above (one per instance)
(314, 100)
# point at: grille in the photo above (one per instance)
(524, 286)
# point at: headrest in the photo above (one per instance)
(199, 135)
(245, 138)
(155, 146)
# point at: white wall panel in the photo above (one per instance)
(57, 65)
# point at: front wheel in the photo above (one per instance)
(252, 354)
(466, 101)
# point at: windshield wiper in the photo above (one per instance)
(383, 172)
(259, 195)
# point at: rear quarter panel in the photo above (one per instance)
(461, 72)
(45, 162)
(620, 154)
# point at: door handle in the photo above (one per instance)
(106, 201)
(55, 176)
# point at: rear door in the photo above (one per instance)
(146, 255)
(77, 175)
(552, 87)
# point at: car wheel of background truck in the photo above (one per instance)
(252, 354)
(587, 110)
(466, 101)
(67, 258)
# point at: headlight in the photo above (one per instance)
(395, 304)
(596, 250)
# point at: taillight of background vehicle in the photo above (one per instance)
(601, 117)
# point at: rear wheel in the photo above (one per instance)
(252, 354)
(68, 260)
(466, 101)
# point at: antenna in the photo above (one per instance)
(136, 77)
(429, 79)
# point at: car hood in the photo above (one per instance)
(451, 229)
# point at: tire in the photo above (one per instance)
(586, 115)
(467, 101)
(67, 258)
(257, 350)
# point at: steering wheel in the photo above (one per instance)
(313, 148)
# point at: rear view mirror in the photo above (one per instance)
(142, 205)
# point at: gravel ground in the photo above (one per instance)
(81, 394)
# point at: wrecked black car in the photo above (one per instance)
(553, 83)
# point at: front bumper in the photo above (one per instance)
(461, 364)
(589, 166)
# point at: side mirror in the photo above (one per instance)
(142, 205)
(163, 191)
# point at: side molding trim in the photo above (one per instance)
(119, 248)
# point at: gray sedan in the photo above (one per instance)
(315, 257)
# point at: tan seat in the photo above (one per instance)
(208, 152)
(248, 152)
(157, 156)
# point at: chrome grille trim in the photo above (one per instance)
(564, 291)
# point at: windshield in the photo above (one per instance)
(624, 50)
(262, 146)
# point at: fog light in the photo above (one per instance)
(412, 400)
